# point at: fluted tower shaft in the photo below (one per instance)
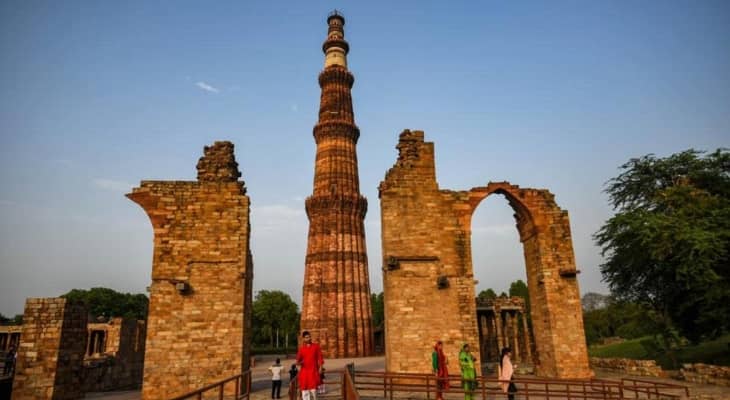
(336, 305)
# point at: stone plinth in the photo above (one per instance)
(51, 350)
(428, 276)
(198, 329)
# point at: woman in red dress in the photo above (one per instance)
(309, 358)
(438, 363)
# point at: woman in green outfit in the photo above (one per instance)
(468, 372)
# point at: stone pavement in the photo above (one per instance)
(261, 387)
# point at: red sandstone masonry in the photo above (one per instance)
(336, 294)
(51, 350)
(426, 235)
(198, 329)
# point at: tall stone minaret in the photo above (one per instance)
(336, 305)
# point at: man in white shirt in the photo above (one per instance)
(276, 379)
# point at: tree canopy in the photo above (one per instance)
(275, 315)
(487, 294)
(17, 320)
(668, 245)
(377, 304)
(110, 303)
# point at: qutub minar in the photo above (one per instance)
(336, 305)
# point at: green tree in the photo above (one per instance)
(110, 303)
(518, 288)
(668, 245)
(593, 301)
(617, 318)
(275, 317)
(377, 304)
(488, 294)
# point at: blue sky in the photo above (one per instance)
(96, 96)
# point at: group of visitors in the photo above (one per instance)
(310, 374)
(439, 364)
(311, 370)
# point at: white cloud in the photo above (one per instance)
(112, 185)
(207, 87)
(277, 217)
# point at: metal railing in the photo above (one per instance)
(391, 385)
(333, 388)
(653, 390)
(236, 387)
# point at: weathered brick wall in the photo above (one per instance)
(200, 296)
(121, 365)
(426, 235)
(51, 350)
(629, 366)
(706, 373)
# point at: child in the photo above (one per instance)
(321, 389)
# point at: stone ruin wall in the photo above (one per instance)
(200, 297)
(51, 350)
(422, 242)
(426, 234)
(121, 364)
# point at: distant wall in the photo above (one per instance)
(120, 366)
(705, 373)
(629, 366)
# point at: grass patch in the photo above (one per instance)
(716, 352)
(629, 349)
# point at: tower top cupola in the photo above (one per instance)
(335, 48)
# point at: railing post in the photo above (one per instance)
(428, 387)
(343, 389)
(484, 387)
(385, 385)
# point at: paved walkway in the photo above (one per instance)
(261, 386)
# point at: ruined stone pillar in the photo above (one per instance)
(528, 344)
(515, 333)
(51, 353)
(500, 329)
(198, 328)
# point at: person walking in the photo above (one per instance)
(506, 372)
(310, 361)
(439, 366)
(468, 372)
(292, 375)
(276, 379)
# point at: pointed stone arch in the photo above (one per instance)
(428, 277)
